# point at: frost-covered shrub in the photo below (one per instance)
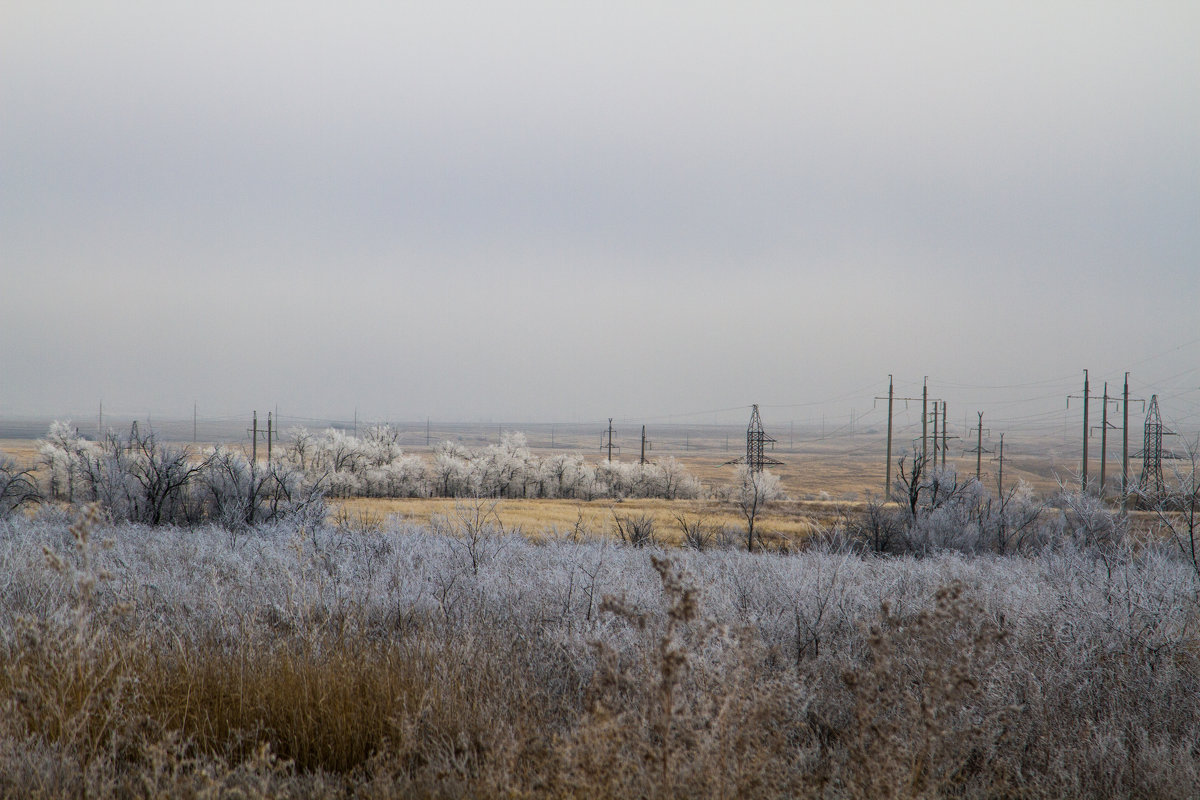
(941, 511)
(236, 494)
(61, 456)
(376, 466)
(396, 662)
(138, 478)
(406, 476)
(1084, 519)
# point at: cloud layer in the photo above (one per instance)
(571, 211)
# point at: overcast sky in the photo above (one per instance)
(569, 211)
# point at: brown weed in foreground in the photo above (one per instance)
(175, 663)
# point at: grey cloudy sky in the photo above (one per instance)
(536, 211)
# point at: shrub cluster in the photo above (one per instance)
(374, 465)
(139, 478)
(940, 511)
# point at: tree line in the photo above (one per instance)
(138, 477)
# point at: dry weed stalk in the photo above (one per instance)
(600, 751)
(923, 673)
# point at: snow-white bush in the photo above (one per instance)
(139, 478)
(375, 465)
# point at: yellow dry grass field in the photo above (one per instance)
(23, 451)
(783, 522)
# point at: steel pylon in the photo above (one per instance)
(756, 441)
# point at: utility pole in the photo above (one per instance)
(100, 423)
(1104, 440)
(891, 398)
(925, 400)
(1000, 480)
(609, 446)
(1085, 430)
(1125, 443)
(887, 486)
(427, 431)
(924, 416)
(644, 445)
(254, 439)
(1085, 398)
(1125, 401)
(195, 408)
(935, 434)
(978, 450)
(945, 424)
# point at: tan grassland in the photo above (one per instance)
(783, 523)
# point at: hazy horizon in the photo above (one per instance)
(545, 212)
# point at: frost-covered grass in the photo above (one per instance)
(275, 661)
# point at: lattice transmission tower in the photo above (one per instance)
(1151, 482)
(756, 441)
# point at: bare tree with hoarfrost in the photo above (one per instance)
(754, 490)
(1176, 509)
(61, 454)
(301, 447)
(451, 474)
(18, 486)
